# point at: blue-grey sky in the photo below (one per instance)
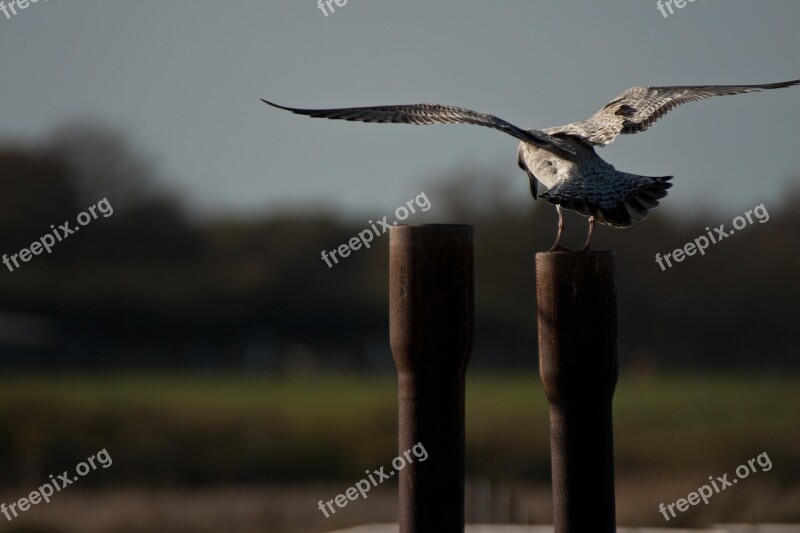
(183, 80)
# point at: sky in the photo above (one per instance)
(182, 81)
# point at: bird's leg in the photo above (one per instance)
(557, 245)
(589, 237)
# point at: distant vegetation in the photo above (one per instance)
(152, 287)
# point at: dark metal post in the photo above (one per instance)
(431, 321)
(577, 317)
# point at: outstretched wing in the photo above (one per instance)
(638, 108)
(424, 114)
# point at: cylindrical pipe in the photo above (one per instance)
(431, 324)
(577, 317)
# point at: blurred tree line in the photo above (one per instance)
(152, 286)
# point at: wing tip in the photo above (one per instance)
(273, 104)
(778, 85)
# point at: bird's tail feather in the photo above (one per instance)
(627, 200)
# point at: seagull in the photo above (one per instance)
(563, 159)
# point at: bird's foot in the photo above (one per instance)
(557, 245)
(588, 237)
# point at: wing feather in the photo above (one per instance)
(638, 108)
(425, 114)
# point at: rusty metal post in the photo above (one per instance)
(431, 323)
(577, 317)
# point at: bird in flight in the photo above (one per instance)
(563, 159)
